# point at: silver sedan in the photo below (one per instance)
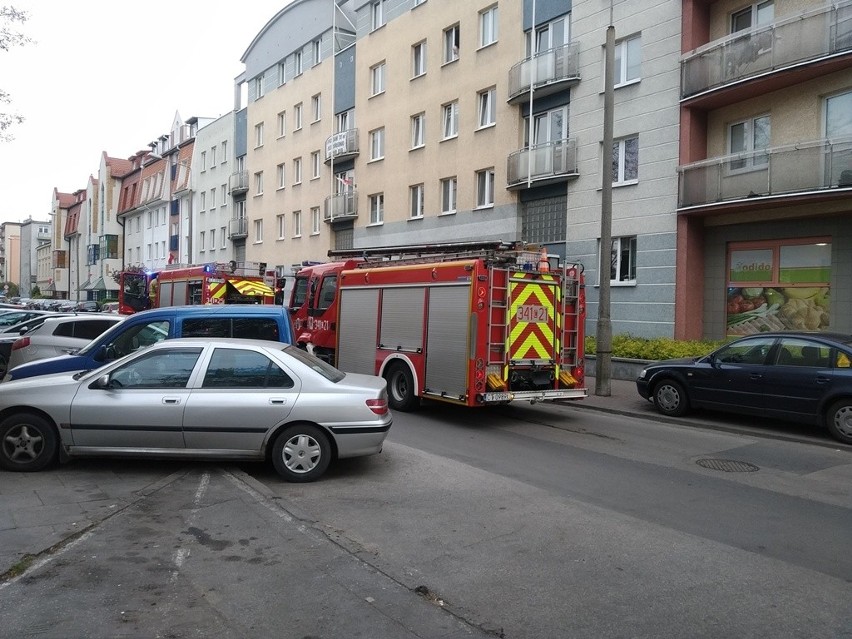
(228, 399)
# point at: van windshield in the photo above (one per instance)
(105, 338)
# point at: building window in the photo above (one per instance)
(748, 138)
(224, 146)
(282, 73)
(315, 165)
(838, 125)
(756, 15)
(377, 79)
(280, 173)
(297, 115)
(258, 135)
(488, 26)
(316, 49)
(628, 60)
(418, 130)
(297, 171)
(451, 44)
(223, 235)
(258, 87)
(282, 227)
(449, 187)
(377, 208)
(297, 224)
(258, 231)
(625, 160)
(212, 198)
(418, 59)
(202, 241)
(415, 194)
(213, 156)
(377, 144)
(485, 188)
(212, 239)
(487, 107)
(315, 220)
(224, 191)
(204, 160)
(316, 107)
(298, 67)
(450, 119)
(258, 183)
(202, 204)
(282, 124)
(623, 259)
(377, 14)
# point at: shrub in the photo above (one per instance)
(655, 348)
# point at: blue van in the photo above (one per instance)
(142, 329)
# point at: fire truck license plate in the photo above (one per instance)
(497, 397)
(531, 313)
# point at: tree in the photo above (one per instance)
(13, 289)
(9, 38)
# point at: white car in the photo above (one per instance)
(58, 336)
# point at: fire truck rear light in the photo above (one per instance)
(378, 406)
(21, 342)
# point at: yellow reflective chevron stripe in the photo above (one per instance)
(533, 317)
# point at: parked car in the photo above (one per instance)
(58, 336)
(16, 317)
(10, 334)
(109, 307)
(87, 306)
(222, 398)
(794, 376)
(262, 321)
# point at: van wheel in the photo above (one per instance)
(28, 443)
(401, 395)
(301, 453)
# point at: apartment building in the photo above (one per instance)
(34, 233)
(10, 252)
(69, 273)
(765, 176)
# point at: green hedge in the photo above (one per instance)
(654, 348)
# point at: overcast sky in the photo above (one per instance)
(109, 76)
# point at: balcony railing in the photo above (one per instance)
(803, 38)
(817, 165)
(60, 259)
(341, 206)
(238, 228)
(543, 164)
(549, 71)
(342, 146)
(238, 182)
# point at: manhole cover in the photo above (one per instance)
(727, 465)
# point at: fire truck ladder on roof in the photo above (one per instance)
(496, 251)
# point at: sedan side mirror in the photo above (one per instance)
(102, 382)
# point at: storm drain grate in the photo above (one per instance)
(727, 465)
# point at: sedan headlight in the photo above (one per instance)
(643, 373)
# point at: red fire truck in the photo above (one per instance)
(140, 289)
(473, 323)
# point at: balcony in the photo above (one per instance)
(341, 146)
(818, 167)
(60, 259)
(550, 71)
(815, 37)
(238, 182)
(547, 163)
(238, 228)
(343, 206)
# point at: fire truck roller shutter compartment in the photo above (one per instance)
(447, 357)
(402, 319)
(356, 330)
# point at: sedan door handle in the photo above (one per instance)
(756, 376)
(171, 400)
(821, 379)
(277, 401)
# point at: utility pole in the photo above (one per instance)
(603, 363)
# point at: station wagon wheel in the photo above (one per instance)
(401, 388)
(670, 398)
(839, 420)
(301, 453)
(28, 443)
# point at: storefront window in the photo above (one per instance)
(783, 285)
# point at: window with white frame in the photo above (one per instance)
(224, 193)
(258, 135)
(316, 163)
(281, 175)
(212, 198)
(297, 116)
(282, 124)
(485, 188)
(281, 223)
(224, 146)
(212, 239)
(625, 160)
(377, 144)
(450, 119)
(377, 14)
(487, 107)
(838, 125)
(297, 170)
(345, 121)
(449, 189)
(298, 64)
(747, 139)
(628, 60)
(213, 156)
(316, 50)
(377, 208)
(418, 130)
(622, 267)
(282, 73)
(202, 241)
(451, 43)
(418, 59)
(297, 224)
(316, 107)
(258, 87)
(258, 231)
(415, 198)
(488, 26)
(204, 160)
(756, 15)
(315, 220)
(223, 234)
(202, 205)
(377, 79)
(258, 183)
